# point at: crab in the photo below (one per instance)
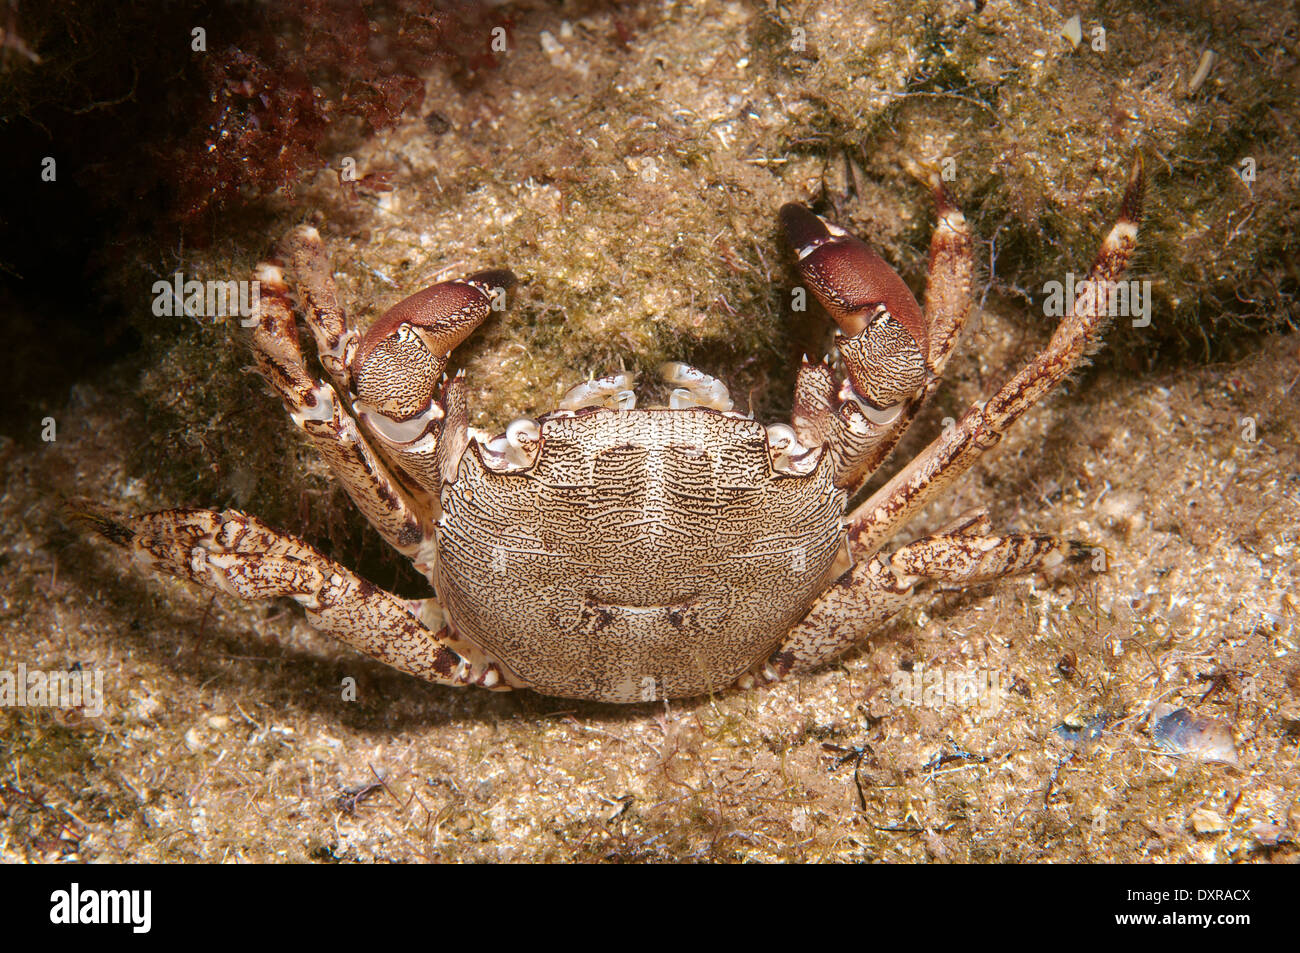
(616, 553)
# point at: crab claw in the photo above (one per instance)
(400, 360)
(886, 341)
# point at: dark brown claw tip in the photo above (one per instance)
(494, 278)
(1081, 552)
(848, 277)
(942, 196)
(98, 519)
(1130, 209)
(802, 227)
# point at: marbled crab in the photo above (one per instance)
(608, 552)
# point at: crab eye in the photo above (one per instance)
(516, 449)
(523, 434)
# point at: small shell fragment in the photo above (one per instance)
(1073, 30)
(1205, 821)
(1202, 72)
(1269, 834)
(1180, 732)
(1078, 729)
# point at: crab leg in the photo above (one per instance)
(947, 308)
(240, 555)
(314, 283)
(876, 588)
(948, 457)
(948, 290)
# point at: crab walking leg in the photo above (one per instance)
(875, 589)
(948, 291)
(948, 457)
(314, 284)
(971, 559)
(878, 586)
(974, 522)
(237, 554)
(314, 407)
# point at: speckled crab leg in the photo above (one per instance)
(947, 308)
(866, 596)
(930, 474)
(318, 297)
(237, 554)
